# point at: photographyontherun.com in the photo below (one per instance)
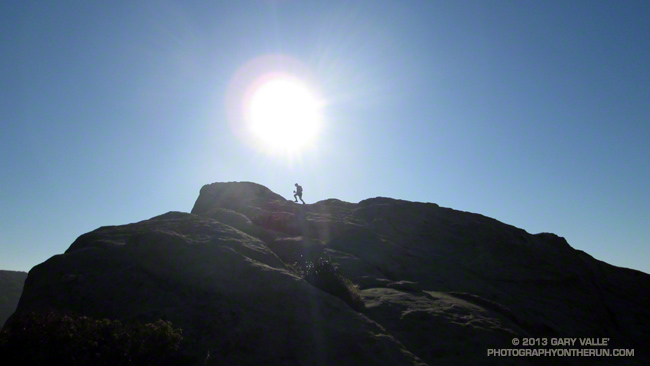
(592, 347)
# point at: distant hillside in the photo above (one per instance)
(11, 286)
(252, 278)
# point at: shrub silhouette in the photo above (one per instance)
(50, 338)
(322, 274)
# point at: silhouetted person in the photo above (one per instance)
(298, 193)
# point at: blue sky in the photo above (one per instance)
(535, 113)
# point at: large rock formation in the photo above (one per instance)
(11, 286)
(440, 286)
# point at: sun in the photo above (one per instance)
(284, 114)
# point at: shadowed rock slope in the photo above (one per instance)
(11, 286)
(440, 286)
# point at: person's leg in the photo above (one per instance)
(303, 202)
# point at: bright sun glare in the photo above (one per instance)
(284, 114)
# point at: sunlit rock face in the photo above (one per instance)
(11, 286)
(440, 286)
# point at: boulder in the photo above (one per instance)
(440, 286)
(234, 299)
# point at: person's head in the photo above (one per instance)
(296, 184)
